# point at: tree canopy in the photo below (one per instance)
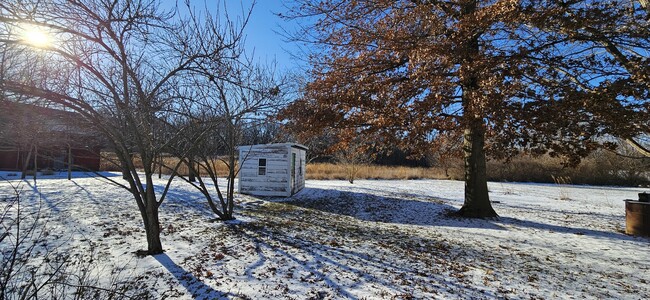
(540, 76)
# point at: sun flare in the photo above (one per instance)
(37, 37)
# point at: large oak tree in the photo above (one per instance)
(507, 75)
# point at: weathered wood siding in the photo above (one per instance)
(275, 181)
(282, 177)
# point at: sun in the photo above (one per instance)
(36, 37)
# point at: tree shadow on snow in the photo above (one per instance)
(194, 286)
(86, 192)
(368, 207)
(534, 209)
(342, 276)
(177, 200)
(611, 235)
(52, 205)
(315, 274)
(423, 212)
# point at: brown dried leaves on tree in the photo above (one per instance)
(512, 76)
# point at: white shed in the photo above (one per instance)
(272, 169)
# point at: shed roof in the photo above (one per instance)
(293, 145)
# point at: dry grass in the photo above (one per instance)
(108, 159)
(562, 182)
(325, 171)
(600, 168)
(321, 171)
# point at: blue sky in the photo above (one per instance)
(262, 33)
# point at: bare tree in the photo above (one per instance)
(230, 100)
(353, 156)
(129, 57)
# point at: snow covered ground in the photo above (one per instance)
(369, 240)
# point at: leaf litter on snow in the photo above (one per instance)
(369, 240)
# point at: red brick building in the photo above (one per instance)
(48, 138)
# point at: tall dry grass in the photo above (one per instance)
(600, 168)
(108, 163)
(319, 171)
(327, 171)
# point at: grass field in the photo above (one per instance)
(324, 171)
(596, 169)
(321, 171)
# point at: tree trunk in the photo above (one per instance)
(152, 223)
(35, 161)
(125, 170)
(160, 164)
(231, 187)
(25, 165)
(152, 228)
(477, 201)
(69, 162)
(190, 167)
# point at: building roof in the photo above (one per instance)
(292, 145)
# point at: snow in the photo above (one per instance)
(374, 239)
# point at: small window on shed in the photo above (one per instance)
(262, 167)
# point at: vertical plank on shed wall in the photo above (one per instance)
(303, 166)
(289, 174)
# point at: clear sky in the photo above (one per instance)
(263, 33)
